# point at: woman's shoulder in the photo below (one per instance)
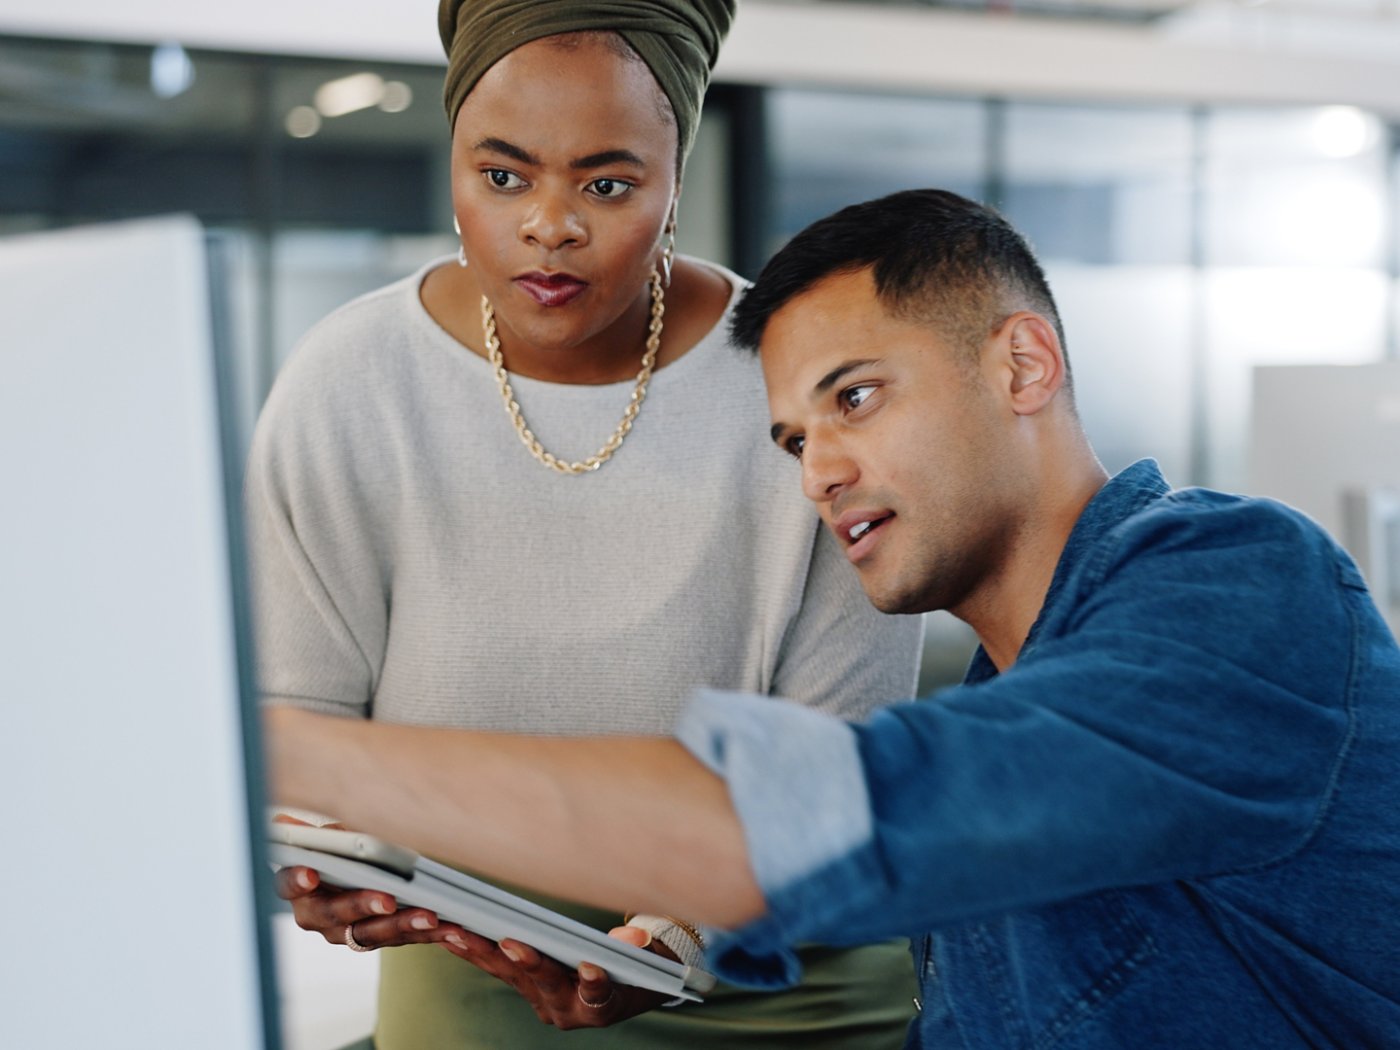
(699, 301)
(366, 324)
(723, 288)
(362, 345)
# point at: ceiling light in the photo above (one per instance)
(398, 96)
(1343, 131)
(172, 72)
(303, 122)
(335, 98)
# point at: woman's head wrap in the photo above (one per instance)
(678, 39)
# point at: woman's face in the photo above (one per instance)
(563, 179)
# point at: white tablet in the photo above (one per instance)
(354, 860)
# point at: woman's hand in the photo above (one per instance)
(373, 916)
(559, 996)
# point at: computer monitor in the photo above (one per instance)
(136, 893)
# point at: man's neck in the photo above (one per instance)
(1003, 614)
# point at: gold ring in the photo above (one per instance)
(612, 994)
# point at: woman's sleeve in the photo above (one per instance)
(841, 655)
(317, 602)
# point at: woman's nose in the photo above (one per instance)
(553, 223)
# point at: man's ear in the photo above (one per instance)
(1034, 361)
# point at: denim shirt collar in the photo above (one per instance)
(1126, 493)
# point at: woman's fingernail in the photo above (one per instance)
(304, 879)
(379, 907)
(511, 954)
(458, 940)
(422, 922)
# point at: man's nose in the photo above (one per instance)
(827, 468)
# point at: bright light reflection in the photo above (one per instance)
(303, 122)
(398, 96)
(1322, 215)
(1336, 219)
(172, 72)
(335, 98)
(1343, 131)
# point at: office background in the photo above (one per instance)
(1213, 186)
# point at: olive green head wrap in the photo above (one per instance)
(678, 39)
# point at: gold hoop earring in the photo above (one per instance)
(461, 248)
(668, 254)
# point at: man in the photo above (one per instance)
(1159, 812)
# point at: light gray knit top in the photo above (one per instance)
(414, 563)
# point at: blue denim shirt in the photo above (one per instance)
(1173, 823)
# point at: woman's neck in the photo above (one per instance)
(614, 355)
(694, 304)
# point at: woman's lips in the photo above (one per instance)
(551, 289)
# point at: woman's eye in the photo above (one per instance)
(503, 180)
(854, 397)
(609, 189)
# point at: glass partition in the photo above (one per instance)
(1186, 245)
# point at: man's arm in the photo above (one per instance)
(557, 815)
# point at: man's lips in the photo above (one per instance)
(551, 289)
(860, 530)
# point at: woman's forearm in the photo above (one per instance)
(618, 822)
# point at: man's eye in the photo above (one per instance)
(793, 446)
(854, 397)
(609, 189)
(502, 179)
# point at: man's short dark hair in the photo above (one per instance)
(937, 258)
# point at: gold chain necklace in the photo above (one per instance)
(639, 392)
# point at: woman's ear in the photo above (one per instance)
(1035, 361)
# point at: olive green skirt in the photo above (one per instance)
(850, 999)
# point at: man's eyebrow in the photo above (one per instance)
(608, 156)
(829, 380)
(511, 150)
(824, 384)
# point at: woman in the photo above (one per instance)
(415, 563)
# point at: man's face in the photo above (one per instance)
(905, 446)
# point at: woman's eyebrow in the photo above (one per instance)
(511, 150)
(608, 156)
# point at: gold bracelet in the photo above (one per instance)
(689, 930)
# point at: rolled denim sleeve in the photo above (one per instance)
(796, 780)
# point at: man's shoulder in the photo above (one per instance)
(1202, 519)
(1223, 557)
